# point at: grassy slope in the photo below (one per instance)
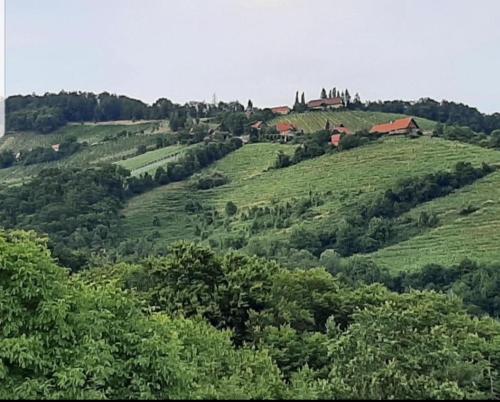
(168, 202)
(475, 236)
(354, 120)
(151, 160)
(108, 151)
(350, 176)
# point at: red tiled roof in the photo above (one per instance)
(400, 124)
(335, 139)
(285, 127)
(325, 102)
(281, 109)
(341, 129)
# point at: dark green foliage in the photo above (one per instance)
(231, 208)
(375, 227)
(78, 209)
(7, 159)
(210, 180)
(66, 338)
(445, 112)
(141, 149)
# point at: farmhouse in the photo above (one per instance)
(335, 139)
(328, 103)
(286, 130)
(341, 129)
(337, 133)
(407, 125)
(281, 110)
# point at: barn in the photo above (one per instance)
(404, 126)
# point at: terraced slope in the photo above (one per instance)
(354, 120)
(98, 151)
(150, 161)
(350, 176)
(474, 235)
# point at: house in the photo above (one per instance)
(286, 130)
(341, 129)
(337, 133)
(55, 147)
(281, 110)
(328, 103)
(407, 125)
(335, 139)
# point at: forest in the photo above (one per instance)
(195, 324)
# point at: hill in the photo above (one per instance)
(107, 143)
(344, 179)
(354, 120)
(469, 228)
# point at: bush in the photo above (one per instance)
(210, 180)
(231, 208)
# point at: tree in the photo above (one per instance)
(85, 338)
(282, 160)
(141, 149)
(347, 97)
(231, 208)
(250, 105)
(327, 125)
(296, 103)
(495, 139)
(323, 94)
(7, 159)
(303, 99)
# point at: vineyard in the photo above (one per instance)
(354, 120)
(349, 177)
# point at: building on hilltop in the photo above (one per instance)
(337, 134)
(327, 103)
(284, 110)
(286, 130)
(404, 126)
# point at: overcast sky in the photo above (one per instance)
(259, 49)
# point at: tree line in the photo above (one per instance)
(446, 112)
(229, 327)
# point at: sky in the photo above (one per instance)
(264, 50)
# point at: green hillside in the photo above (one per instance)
(475, 235)
(99, 149)
(354, 120)
(150, 161)
(350, 177)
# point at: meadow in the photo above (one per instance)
(350, 176)
(354, 120)
(98, 151)
(460, 234)
(150, 161)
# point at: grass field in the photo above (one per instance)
(150, 161)
(99, 151)
(475, 236)
(354, 120)
(351, 176)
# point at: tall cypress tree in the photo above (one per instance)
(296, 99)
(323, 93)
(303, 99)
